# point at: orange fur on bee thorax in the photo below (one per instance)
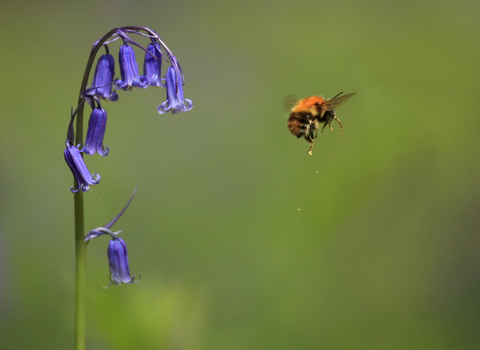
(308, 102)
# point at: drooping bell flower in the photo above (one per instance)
(103, 78)
(152, 66)
(118, 262)
(95, 133)
(77, 165)
(129, 70)
(117, 251)
(175, 102)
(79, 169)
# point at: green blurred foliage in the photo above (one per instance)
(244, 241)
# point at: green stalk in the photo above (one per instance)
(80, 244)
(80, 271)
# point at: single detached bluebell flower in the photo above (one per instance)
(129, 70)
(103, 78)
(117, 250)
(118, 262)
(152, 66)
(175, 102)
(77, 165)
(95, 133)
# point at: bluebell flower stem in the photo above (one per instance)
(80, 244)
(80, 267)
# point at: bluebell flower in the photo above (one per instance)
(103, 78)
(129, 70)
(95, 133)
(152, 66)
(77, 165)
(117, 250)
(118, 262)
(75, 162)
(175, 102)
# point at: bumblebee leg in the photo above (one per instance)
(309, 138)
(341, 126)
(330, 122)
(324, 125)
(311, 146)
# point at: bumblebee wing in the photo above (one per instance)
(331, 104)
(289, 102)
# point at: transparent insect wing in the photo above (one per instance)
(331, 104)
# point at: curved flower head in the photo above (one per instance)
(79, 169)
(118, 262)
(152, 67)
(103, 79)
(96, 131)
(129, 70)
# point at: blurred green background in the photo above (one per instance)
(244, 241)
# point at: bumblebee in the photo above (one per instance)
(308, 114)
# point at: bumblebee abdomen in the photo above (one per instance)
(301, 123)
(303, 116)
